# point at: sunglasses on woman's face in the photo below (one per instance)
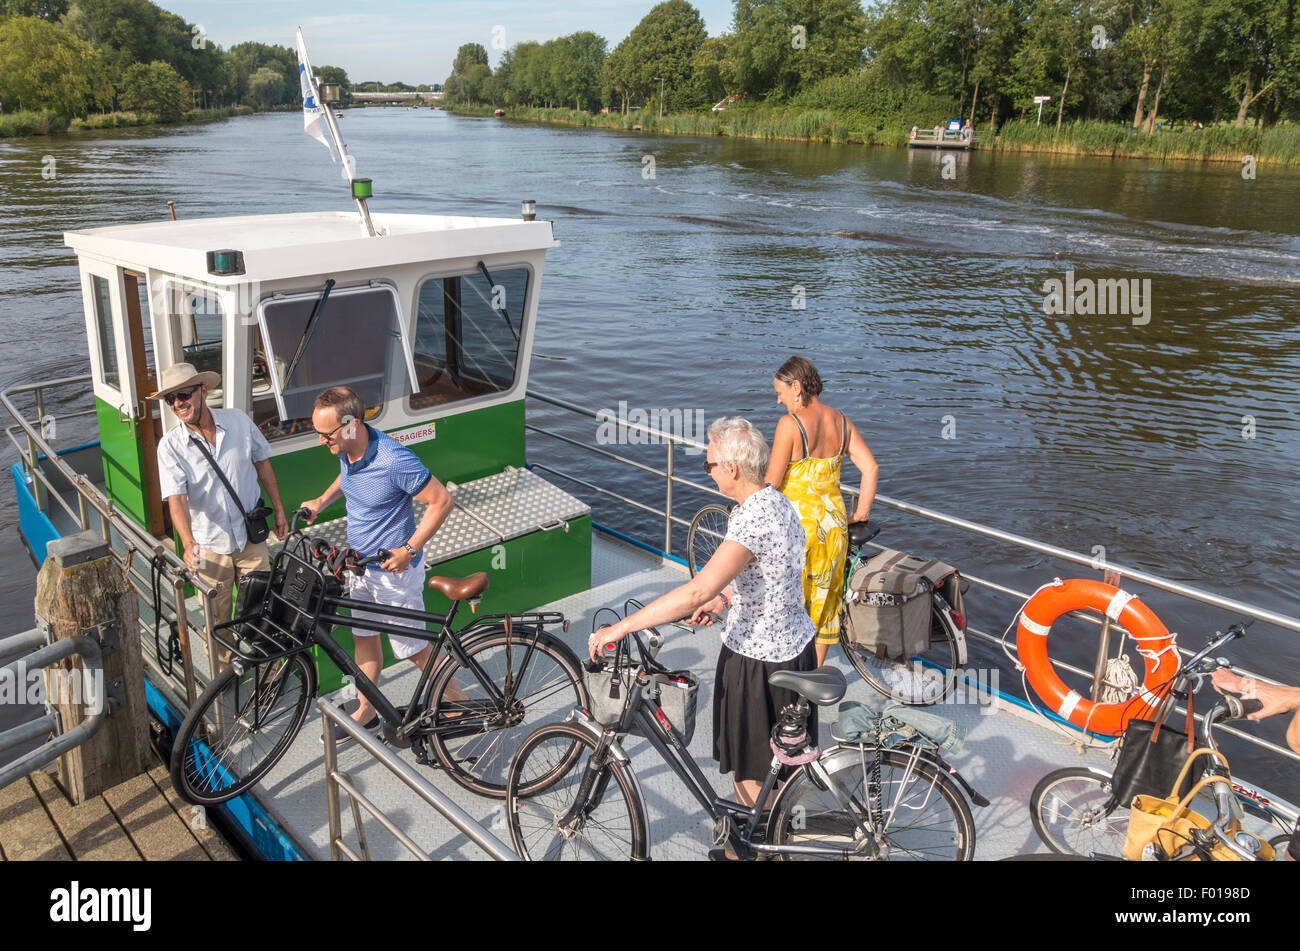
(180, 396)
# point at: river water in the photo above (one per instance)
(691, 268)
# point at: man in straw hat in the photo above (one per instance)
(210, 525)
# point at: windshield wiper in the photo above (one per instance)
(308, 331)
(500, 310)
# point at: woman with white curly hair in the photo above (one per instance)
(755, 578)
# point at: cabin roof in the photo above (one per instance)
(276, 247)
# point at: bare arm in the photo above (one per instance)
(783, 443)
(439, 505)
(690, 599)
(179, 506)
(324, 500)
(266, 476)
(1273, 699)
(866, 463)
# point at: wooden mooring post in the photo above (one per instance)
(82, 589)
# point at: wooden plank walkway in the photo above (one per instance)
(140, 819)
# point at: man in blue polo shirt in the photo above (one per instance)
(378, 479)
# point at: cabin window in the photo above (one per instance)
(196, 329)
(103, 303)
(305, 343)
(467, 335)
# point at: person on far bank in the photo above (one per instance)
(807, 450)
(212, 530)
(378, 480)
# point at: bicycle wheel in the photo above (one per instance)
(930, 677)
(1069, 809)
(554, 761)
(922, 814)
(239, 727)
(475, 735)
(708, 528)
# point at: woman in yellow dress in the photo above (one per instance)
(807, 450)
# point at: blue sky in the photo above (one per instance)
(392, 40)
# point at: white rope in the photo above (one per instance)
(1119, 680)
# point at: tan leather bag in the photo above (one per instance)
(1167, 823)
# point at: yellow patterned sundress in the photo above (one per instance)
(813, 486)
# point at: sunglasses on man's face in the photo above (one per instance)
(180, 396)
(329, 435)
(708, 466)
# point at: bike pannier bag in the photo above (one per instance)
(887, 606)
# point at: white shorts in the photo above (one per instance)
(404, 590)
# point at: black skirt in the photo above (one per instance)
(746, 706)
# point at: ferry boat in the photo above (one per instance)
(432, 319)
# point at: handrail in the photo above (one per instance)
(331, 718)
(38, 456)
(39, 659)
(1054, 551)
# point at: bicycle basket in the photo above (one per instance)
(678, 697)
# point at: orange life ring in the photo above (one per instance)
(1155, 644)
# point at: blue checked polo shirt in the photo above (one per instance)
(377, 491)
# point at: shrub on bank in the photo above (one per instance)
(1224, 142)
(31, 122)
(874, 126)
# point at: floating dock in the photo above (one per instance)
(962, 140)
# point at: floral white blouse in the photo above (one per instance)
(767, 620)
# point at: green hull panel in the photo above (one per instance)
(525, 572)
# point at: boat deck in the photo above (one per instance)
(1007, 749)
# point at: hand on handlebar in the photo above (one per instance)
(708, 613)
(306, 513)
(1268, 699)
(397, 560)
(605, 639)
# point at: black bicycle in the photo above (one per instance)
(572, 795)
(498, 676)
(928, 677)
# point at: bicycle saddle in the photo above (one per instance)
(822, 686)
(862, 532)
(459, 589)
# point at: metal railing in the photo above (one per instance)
(672, 441)
(336, 781)
(139, 550)
(38, 655)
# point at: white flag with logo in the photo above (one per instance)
(313, 115)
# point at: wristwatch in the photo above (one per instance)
(407, 546)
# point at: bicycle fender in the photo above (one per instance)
(948, 768)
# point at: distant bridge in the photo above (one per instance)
(387, 97)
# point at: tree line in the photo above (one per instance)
(1132, 61)
(75, 57)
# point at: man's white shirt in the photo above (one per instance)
(216, 523)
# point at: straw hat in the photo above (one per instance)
(181, 375)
